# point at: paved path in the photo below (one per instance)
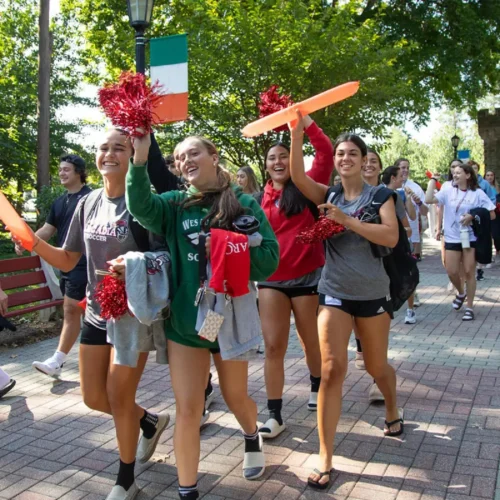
(52, 446)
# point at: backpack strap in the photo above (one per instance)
(381, 196)
(258, 197)
(333, 193)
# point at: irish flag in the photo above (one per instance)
(169, 56)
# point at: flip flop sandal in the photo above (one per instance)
(468, 315)
(271, 429)
(316, 484)
(254, 463)
(458, 302)
(400, 420)
(7, 388)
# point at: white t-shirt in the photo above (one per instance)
(446, 185)
(458, 203)
(415, 233)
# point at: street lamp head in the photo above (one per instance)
(455, 140)
(139, 13)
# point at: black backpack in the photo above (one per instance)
(399, 264)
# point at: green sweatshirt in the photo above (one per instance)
(162, 215)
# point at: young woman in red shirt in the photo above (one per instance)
(293, 287)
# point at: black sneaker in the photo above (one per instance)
(480, 275)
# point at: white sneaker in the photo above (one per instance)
(119, 493)
(271, 429)
(411, 317)
(48, 367)
(146, 447)
(416, 301)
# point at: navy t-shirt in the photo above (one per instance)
(60, 215)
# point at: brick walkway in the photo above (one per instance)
(52, 446)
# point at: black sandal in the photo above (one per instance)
(316, 484)
(468, 315)
(459, 302)
(400, 420)
(7, 388)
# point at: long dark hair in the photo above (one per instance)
(223, 205)
(292, 201)
(389, 173)
(347, 137)
(472, 183)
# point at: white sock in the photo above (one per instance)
(60, 357)
(4, 379)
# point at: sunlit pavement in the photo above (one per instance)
(52, 446)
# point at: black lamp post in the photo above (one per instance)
(454, 142)
(139, 14)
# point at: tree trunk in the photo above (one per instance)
(44, 60)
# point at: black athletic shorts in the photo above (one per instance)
(293, 291)
(457, 247)
(359, 308)
(73, 285)
(91, 335)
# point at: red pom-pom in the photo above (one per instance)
(129, 103)
(111, 295)
(321, 230)
(497, 209)
(271, 101)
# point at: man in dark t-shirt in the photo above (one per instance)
(73, 283)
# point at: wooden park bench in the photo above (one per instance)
(27, 273)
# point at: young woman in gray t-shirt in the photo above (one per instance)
(353, 286)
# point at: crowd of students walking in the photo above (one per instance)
(211, 244)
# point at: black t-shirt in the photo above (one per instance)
(60, 215)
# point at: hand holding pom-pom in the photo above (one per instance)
(322, 230)
(271, 101)
(111, 295)
(129, 103)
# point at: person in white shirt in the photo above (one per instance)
(417, 195)
(459, 239)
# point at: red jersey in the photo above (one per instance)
(297, 259)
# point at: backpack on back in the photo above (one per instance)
(399, 263)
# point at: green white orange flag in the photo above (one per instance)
(169, 66)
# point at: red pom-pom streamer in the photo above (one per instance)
(322, 229)
(271, 101)
(129, 103)
(111, 295)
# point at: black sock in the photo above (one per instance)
(358, 346)
(188, 492)
(274, 406)
(209, 388)
(252, 441)
(125, 475)
(315, 382)
(148, 424)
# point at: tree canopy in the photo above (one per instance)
(408, 55)
(18, 92)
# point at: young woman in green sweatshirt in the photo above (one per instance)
(210, 202)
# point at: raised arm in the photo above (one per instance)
(161, 178)
(311, 189)
(322, 166)
(429, 195)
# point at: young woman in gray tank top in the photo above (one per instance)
(354, 285)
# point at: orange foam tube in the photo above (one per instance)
(306, 107)
(15, 224)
